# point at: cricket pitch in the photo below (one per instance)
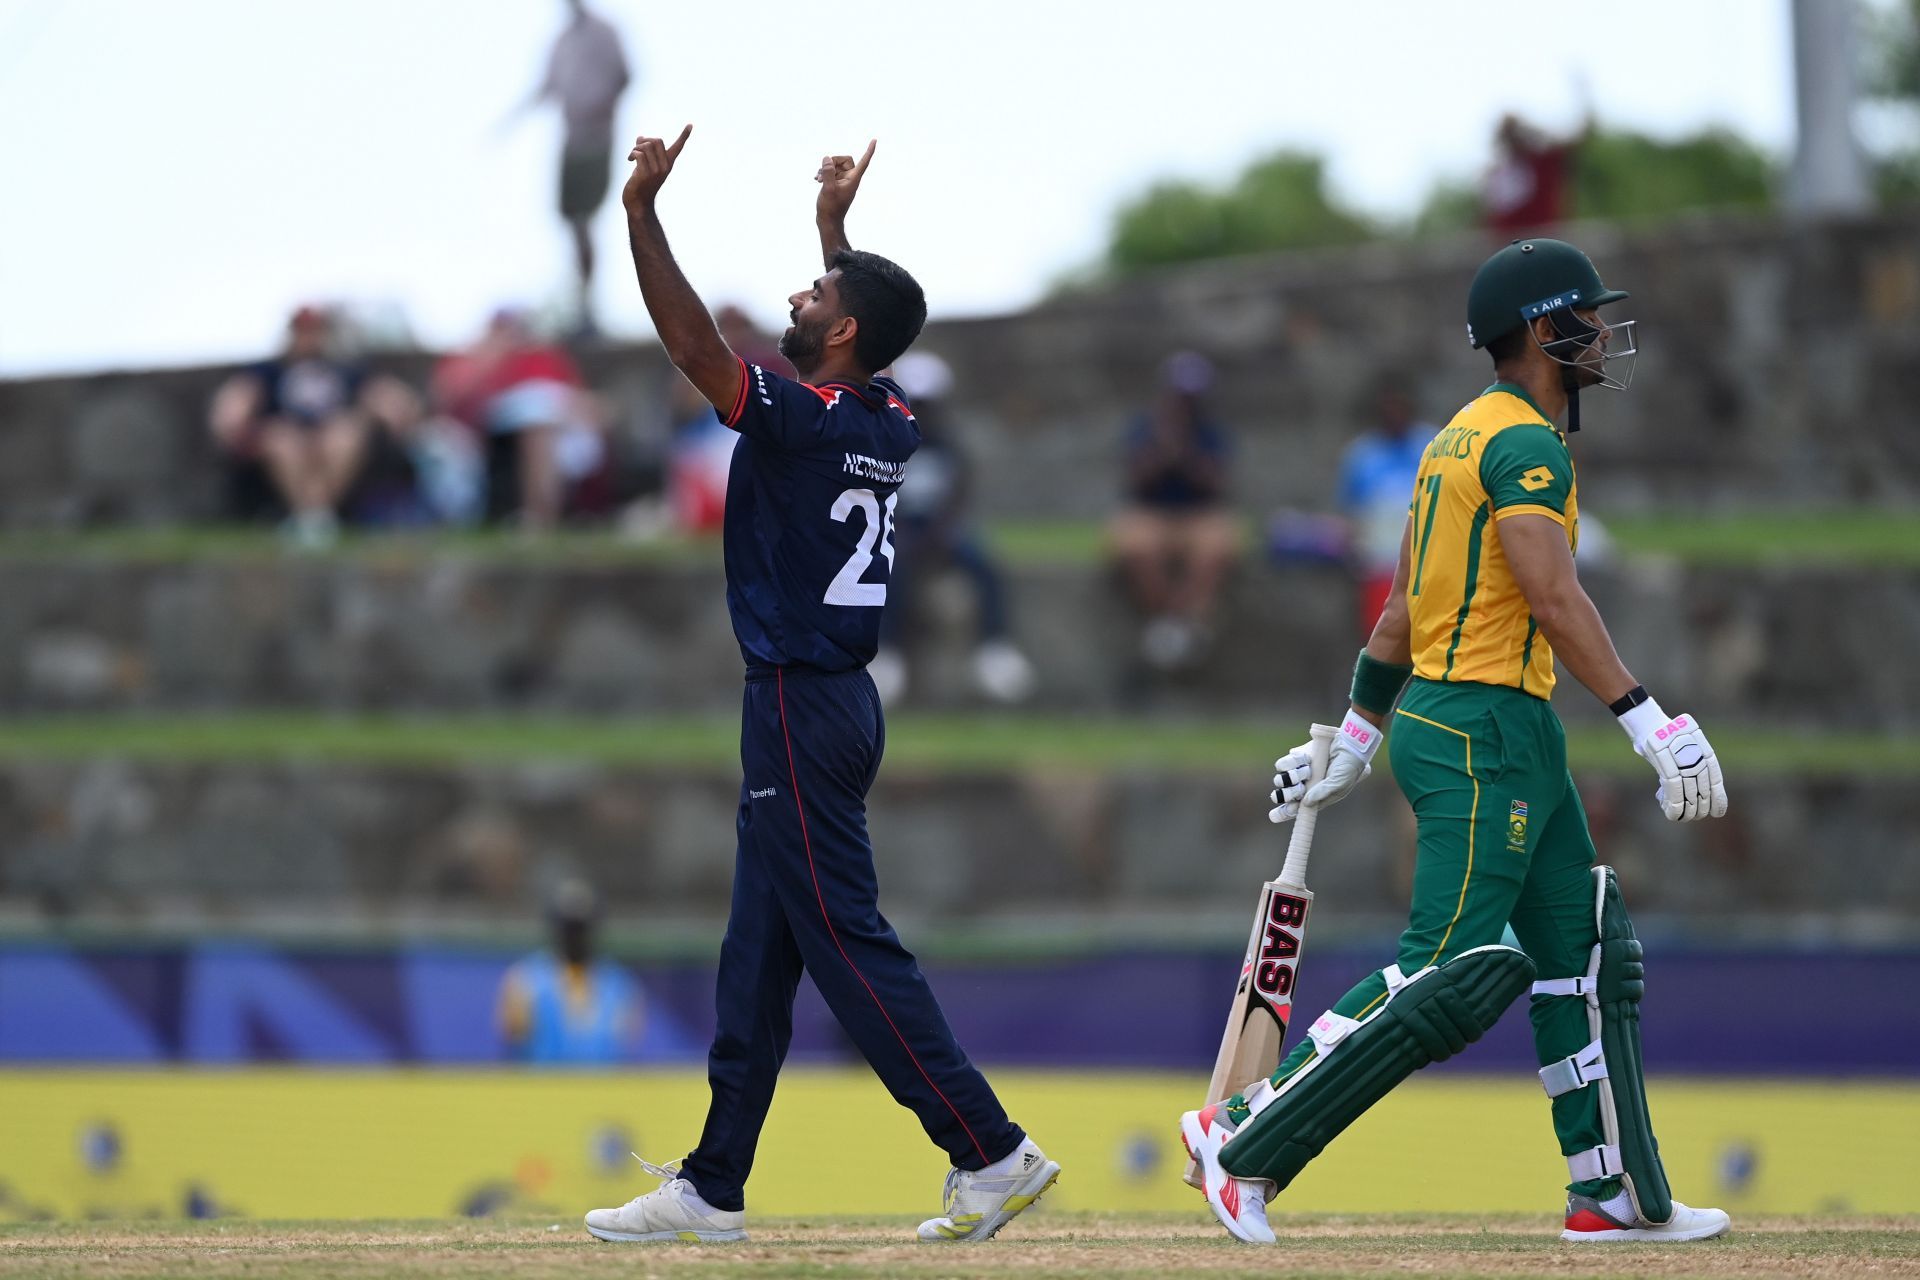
(1041, 1245)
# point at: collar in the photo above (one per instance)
(1520, 392)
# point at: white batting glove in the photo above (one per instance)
(1292, 775)
(1690, 783)
(1349, 759)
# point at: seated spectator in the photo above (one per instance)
(933, 530)
(1174, 537)
(539, 429)
(1376, 486)
(563, 1006)
(422, 469)
(291, 434)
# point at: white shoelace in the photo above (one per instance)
(668, 1173)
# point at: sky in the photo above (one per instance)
(175, 176)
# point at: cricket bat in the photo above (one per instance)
(1263, 1001)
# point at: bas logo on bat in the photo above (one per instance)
(1280, 948)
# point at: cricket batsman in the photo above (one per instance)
(1458, 674)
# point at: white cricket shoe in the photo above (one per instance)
(1239, 1203)
(1590, 1219)
(671, 1211)
(980, 1202)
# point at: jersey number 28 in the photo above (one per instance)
(846, 587)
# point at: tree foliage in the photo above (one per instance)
(1629, 177)
(1279, 202)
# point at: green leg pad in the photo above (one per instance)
(1437, 1013)
(1621, 983)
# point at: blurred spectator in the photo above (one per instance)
(586, 74)
(1174, 538)
(1376, 486)
(700, 448)
(700, 456)
(291, 434)
(422, 469)
(539, 430)
(1526, 190)
(562, 1005)
(932, 530)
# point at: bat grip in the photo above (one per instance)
(1300, 843)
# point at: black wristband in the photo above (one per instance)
(1629, 700)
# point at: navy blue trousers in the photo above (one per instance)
(805, 898)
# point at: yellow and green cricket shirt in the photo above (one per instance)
(1499, 457)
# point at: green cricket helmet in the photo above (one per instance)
(1540, 277)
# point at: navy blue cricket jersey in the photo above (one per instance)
(809, 520)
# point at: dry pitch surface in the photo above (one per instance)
(1053, 1245)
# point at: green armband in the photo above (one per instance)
(1376, 684)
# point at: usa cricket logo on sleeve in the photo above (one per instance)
(1517, 827)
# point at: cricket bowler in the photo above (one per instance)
(808, 547)
(1458, 675)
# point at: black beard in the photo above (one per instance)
(803, 345)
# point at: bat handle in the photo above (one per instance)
(1300, 843)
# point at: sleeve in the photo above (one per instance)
(1526, 471)
(779, 411)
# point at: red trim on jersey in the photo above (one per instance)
(739, 401)
(827, 397)
(799, 805)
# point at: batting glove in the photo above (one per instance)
(1349, 759)
(1690, 783)
(1292, 775)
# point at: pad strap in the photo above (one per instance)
(1575, 1071)
(1600, 1162)
(1329, 1029)
(1582, 985)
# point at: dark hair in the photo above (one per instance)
(1510, 344)
(884, 301)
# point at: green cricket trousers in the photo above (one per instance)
(1503, 840)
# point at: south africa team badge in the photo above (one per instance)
(1517, 827)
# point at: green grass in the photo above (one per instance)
(1042, 1245)
(976, 743)
(1865, 537)
(1869, 538)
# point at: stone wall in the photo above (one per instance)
(1777, 366)
(118, 841)
(393, 630)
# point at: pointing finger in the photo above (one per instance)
(673, 152)
(866, 159)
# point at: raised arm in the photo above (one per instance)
(839, 179)
(685, 327)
